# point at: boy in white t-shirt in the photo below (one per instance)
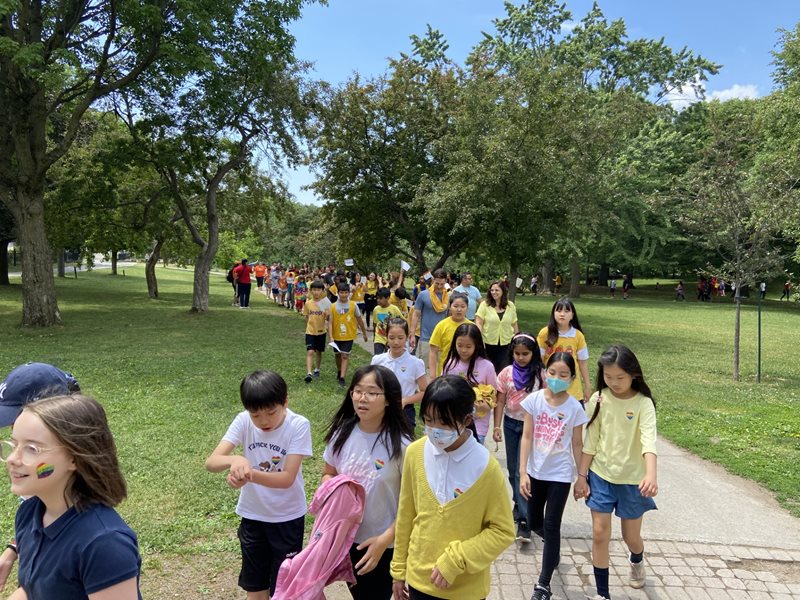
(272, 503)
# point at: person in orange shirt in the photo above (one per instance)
(260, 270)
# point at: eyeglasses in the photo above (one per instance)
(356, 394)
(29, 453)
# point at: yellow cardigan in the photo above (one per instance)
(462, 538)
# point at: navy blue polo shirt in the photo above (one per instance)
(80, 553)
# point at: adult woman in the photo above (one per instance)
(370, 296)
(72, 543)
(497, 319)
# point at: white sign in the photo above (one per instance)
(404, 265)
(348, 262)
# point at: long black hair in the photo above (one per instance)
(625, 359)
(471, 331)
(394, 426)
(449, 399)
(552, 326)
(536, 366)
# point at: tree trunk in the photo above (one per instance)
(602, 276)
(202, 267)
(736, 333)
(114, 262)
(513, 273)
(4, 262)
(574, 278)
(547, 277)
(62, 267)
(150, 268)
(39, 305)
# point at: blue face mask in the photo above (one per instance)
(557, 385)
(441, 438)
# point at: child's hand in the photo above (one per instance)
(497, 435)
(438, 579)
(399, 590)
(240, 468)
(234, 482)
(581, 489)
(525, 485)
(375, 546)
(648, 486)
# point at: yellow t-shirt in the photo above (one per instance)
(358, 293)
(317, 317)
(620, 436)
(380, 315)
(372, 286)
(442, 338)
(401, 304)
(574, 344)
(344, 325)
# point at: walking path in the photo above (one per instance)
(715, 537)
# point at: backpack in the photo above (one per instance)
(229, 276)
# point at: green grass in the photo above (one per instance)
(169, 381)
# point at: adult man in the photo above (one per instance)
(473, 294)
(429, 309)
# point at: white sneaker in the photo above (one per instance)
(596, 597)
(637, 575)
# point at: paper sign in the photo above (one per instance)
(428, 276)
(519, 281)
(334, 346)
(404, 265)
(348, 262)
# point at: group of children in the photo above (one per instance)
(433, 523)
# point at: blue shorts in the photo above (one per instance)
(625, 500)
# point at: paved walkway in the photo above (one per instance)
(714, 537)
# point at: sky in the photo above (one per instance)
(349, 36)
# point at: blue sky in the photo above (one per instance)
(349, 36)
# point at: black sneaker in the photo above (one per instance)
(308, 378)
(541, 592)
(523, 532)
(316, 373)
(341, 382)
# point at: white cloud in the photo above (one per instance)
(568, 26)
(741, 92)
(682, 99)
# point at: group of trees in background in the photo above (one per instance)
(553, 147)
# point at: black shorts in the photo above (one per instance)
(264, 548)
(345, 346)
(315, 342)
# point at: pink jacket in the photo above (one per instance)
(339, 506)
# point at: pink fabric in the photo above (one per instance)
(339, 506)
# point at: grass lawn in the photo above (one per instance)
(169, 381)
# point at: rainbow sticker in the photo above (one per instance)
(44, 470)
(457, 492)
(276, 460)
(629, 415)
(560, 416)
(379, 464)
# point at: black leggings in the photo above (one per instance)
(377, 584)
(370, 302)
(545, 509)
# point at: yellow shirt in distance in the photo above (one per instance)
(442, 338)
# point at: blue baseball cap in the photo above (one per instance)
(30, 382)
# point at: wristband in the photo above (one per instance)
(497, 428)
(584, 476)
(13, 547)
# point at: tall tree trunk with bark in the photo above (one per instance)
(114, 261)
(150, 268)
(574, 278)
(547, 277)
(4, 262)
(62, 266)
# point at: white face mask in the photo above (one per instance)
(441, 438)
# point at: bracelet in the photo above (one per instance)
(497, 428)
(584, 476)
(12, 547)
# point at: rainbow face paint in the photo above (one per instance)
(44, 470)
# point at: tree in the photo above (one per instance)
(722, 201)
(56, 60)
(7, 235)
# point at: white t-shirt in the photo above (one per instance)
(551, 455)
(267, 451)
(364, 452)
(407, 368)
(450, 474)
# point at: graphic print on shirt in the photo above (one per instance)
(275, 455)
(380, 326)
(552, 350)
(548, 431)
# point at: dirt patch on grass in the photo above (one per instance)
(785, 571)
(197, 576)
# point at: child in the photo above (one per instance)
(450, 525)
(442, 336)
(272, 503)
(551, 445)
(514, 383)
(71, 541)
(618, 466)
(274, 278)
(409, 370)
(359, 292)
(290, 276)
(260, 270)
(370, 295)
(283, 287)
(300, 293)
(317, 312)
(399, 298)
(344, 318)
(679, 292)
(382, 313)
(467, 359)
(564, 334)
(367, 439)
